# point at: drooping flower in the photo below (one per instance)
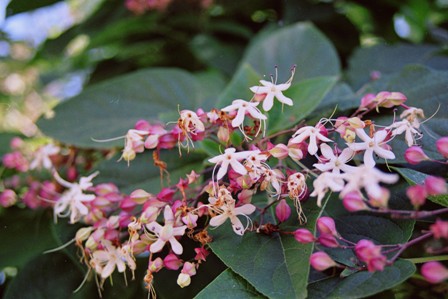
(42, 157)
(228, 211)
(311, 133)
(371, 146)
(243, 107)
(72, 200)
(271, 90)
(167, 233)
(334, 163)
(232, 158)
(105, 261)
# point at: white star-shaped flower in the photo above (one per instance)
(243, 108)
(313, 134)
(334, 163)
(167, 233)
(324, 182)
(229, 211)
(371, 146)
(106, 260)
(232, 158)
(42, 157)
(72, 200)
(404, 126)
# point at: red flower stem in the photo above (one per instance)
(404, 246)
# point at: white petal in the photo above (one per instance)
(268, 102)
(239, 118)
(283, 99)
(256, 114)
(312, 147)
(383, 153)
(237, 226)
(362, 134)
(176, 246)
(246, 209)
(346, 155)
(121, 266)
(168, 214)
(157, 246)
(324, 167)
(218, 220)
(179, 231)
(380, 136)
(238, 167)
(357, 146)
(222, 170)
(368, 158)
(327, 151)
(154, 227)
(108, 270)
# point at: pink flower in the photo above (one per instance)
(167, 233)
(417, 195)
(370, 253)
(7, 198)
(442, 146)
(440, 229)
(434, 272)
(172, 262)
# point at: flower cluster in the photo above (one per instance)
(344, 155)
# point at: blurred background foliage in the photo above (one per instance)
(50, 50)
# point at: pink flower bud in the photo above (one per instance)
(189, 268)
(16, 143)
(368, 101)
(296, 150)
(442, 146)
(370, 253)
(321, 261)
(201, 254)
(155, 265)
(380, 200)
(354, 202)
(282, 211)
(390, 99)
(139, 196)
(223, 134)
(435, 185)
(304, 236)
(127, 204)
(417, 195)
(415, 155)
(328, 240)
(326, 225)
(440, 229)
(149, 215)
(142, 125)
(8, 198)
(172, 262)
(280, 151)
(152, 141)
(434, 272)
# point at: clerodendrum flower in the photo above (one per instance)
(232, 158)
(325, 182)
(371, 146)
(228, 210)
(313, 133)
(335, 163)
(271, 90)
(167, 233)
(244, 107)
(106, 260)
(72, 200)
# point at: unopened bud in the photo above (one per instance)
(440, 229)
(328, 240)
(435, 185)
(223, 134)
(189, 268)
(417, 195)
(354, 202)
(155, 265)
(442, 146)
(415, 155)
(321, 261)
(8, 198)
(280, 151)
(434, 272)
(83, 233)
(304, 236)
(183, 280)
(140, 196)
(326, 225)
(282, 211)
(152, 141)
(356, 123)
(172, 262)
(380, 200)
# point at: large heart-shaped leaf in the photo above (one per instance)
(300, 44)
(362, 284)
(229, 285)
(389, 59)
(110, 108)
(276, 265)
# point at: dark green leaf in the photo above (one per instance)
(229, 285)
(25, 234)
(110, 108)
(47, 276)
(306, 95)
(276, 265)
(19, 6)
(390, 59)
(362, 284)
(300, 44)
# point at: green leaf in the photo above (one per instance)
(211, 84)
(362, 284)
(143, 174)
(112, 107)
(276, 265)
(238, 88)
(47, 276)
(25, 235)
(414, 177)
(306, 96)
(19, 6)
(390, 59)
(300, 44)
(229, 285)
